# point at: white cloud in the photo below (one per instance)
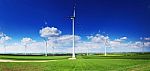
(118, 43)
(89, 45)
(147, 44)
(3, 38)
(63, 43)
(49, 32)
(148, 38)
(27, 40)
(68, 38)
(121, 39)
(115, 43)
(36, 47)
(98, 38)
(2, 34)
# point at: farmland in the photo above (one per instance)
(82, 63)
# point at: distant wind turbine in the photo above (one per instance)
(47, 33)
(4, 38)
(45, 46)
(129, 45)
(107, 44)
(44, 38)
(4, 45)
(142, 41)
(54, 45)
(46, 43)
(87, 53)
(25, 51)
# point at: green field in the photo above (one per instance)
(82, 63)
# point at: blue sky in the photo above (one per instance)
(130, 18)
(117, 18)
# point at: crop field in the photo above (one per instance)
(82, 63)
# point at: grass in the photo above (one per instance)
(83, 63)
(34, 57)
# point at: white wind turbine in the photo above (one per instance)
(106, 43)
(25, 42)
(73, 34)
(45, 40)
(54, 43)
(88, 46)
(46, 43)
(47, 33)
(142, 44)
(45, 46)
(3, 39)
(4, 45)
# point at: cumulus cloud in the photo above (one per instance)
(147, 44)
(118, 43)
(36, 47)
(4, 37)
(140, 44)
(49, 32)
(115, 43)
(87, 45)
(27, 40)
(148, 38)
(80, 46)
(2, 34)
(98, 38)
(121, 39)
(63, 43)
(68, 38)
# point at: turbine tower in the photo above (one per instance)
(142, 41)
(46, 43)
(107, 44)
(45, 39)
(73, 34)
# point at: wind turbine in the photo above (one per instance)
(87, 52)
(4, 39)
(25, 51)
(129, 45)
(142, 41)
(45, 39)
(54, 45)
(106, 42)
(45, 46)
(46, 43)
(4, 49)
(4, 45)
(73, 34)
